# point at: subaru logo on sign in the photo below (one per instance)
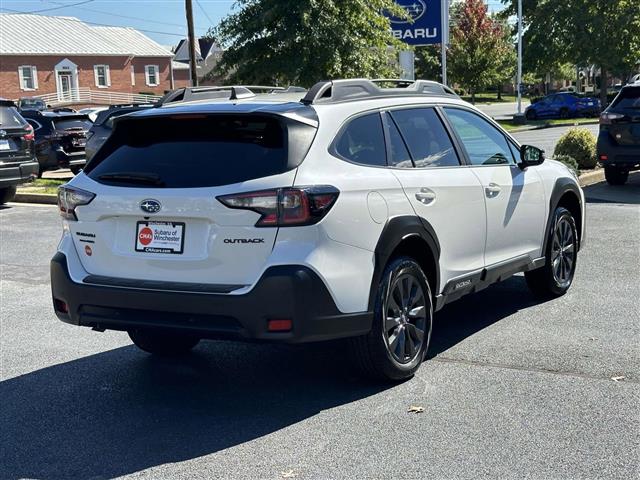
(150, 206)
(415, 10)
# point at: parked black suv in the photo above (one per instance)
(101, 128)
(619, 138)
(17, 162)
(60, 139)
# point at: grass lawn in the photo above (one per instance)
(510, 125)
(42, 185)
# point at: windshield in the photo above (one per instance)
(32, 104)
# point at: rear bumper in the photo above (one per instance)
(621, 156)
(16, 173)
(283, 292)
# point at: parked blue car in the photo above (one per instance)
(563, 105)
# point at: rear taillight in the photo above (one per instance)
(285, 207)
(607, 118)
(29, 135)
(69, 198)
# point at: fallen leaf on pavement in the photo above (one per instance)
(415, 409)
(618, 378)
(289, 474)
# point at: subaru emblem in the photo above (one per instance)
(150, 206)
(3, 133)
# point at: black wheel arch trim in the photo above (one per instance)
(561, 187)
(397, 230)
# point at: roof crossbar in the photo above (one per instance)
(333, 91)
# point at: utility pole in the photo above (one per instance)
(445, 39)
(519, 79)
(192, 44)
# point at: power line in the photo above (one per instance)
(125, 16)
(181, 35)
(53, 8)
(205, 12)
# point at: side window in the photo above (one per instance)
(34, 124)
(428, 141)
(362, 141)
(485, 144)
(515, 152)
(398, 154)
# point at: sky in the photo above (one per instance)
(162, 20)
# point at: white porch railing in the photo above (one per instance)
(95, 97)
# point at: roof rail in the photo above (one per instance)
(332, 91)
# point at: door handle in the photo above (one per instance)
(492, 190)
(426, 195)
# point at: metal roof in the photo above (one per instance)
(23, 34)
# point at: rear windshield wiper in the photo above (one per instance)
(135, 178)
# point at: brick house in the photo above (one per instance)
(59, 55)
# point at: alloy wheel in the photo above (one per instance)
(563, 252)
(405, 318)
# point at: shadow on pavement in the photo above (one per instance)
(467, 316)
(122, 411)
(622, 194)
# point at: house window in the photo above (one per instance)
(152, 76)
(133, 75)
(28, 77)
(102, 76)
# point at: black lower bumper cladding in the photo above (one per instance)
(289, 292)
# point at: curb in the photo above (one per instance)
(43, 198)
(590, 178)
(543, 127)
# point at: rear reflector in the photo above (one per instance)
(604, 158)
(279, 325)
(60, 306)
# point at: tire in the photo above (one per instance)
(384, 353)
(7, 194)
(564, 113)
(162, 343)
(615, 176)
(531, 115)
(561, 255)
(75, 170)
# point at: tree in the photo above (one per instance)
(582, 32)
(301, 42)
(480, 47)
(428, 62)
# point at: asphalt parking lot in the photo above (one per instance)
(515, 388)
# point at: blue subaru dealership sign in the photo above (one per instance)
(425, 26)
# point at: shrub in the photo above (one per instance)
(579, 144)
(568, 161)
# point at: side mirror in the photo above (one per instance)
(530, 156)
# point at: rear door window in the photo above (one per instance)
(362, 141)
(426, 137)
(399, 156)
(198, 150)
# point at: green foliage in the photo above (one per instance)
(303, 41)
(428, 64)
(481, 51)
(579, 144)
(568, 161)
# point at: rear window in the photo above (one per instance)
(74, 123)
(9, 117)
(627, 98)
(199, 151)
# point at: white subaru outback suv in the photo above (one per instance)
(357, 212)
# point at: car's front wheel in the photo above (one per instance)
(531, 115)
(163, 343)
(615, 176)
(399, 338)
(556, 276)
(7, 194)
